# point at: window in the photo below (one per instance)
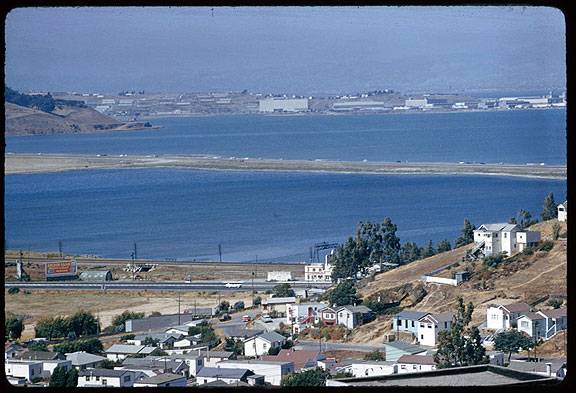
(524, 324)
(505, 235)
(127, 378)
(414, 367)
(445, 325)
(97, 378)
(429, 326)
(422, 337)
(421, 325)
(412, 323)
(495, 235)
(403, 367)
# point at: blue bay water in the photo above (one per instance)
(276, 216)
(519, 136)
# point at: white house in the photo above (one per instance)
(165, 340)
(563, 212)
(430, 325)
(352, 316)
(11, 350)
(82, 360)
(103, 377)
(407, 321)
(178, 330)
(48, 366)
(543, 324)
(319, 272)
(228, 375)
(272, 371)
(279, 276)
(28, 369)
(370, 368)
(121, 351)
(194, 362)
(187, 341)
(504, 316)
(261, 344)
(506, 238)
(212, 358)
(162, 380)
(308, 311)
(415, 364)
(278, 304)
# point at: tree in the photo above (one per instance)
(58, 378)
(511, 341)
(494, 260)
(91, 345)
(283, 290)
(224, 306)
(273, 351)
(53, 327)
(461, 345)
(443, 246)
(13, 327)
(239, 306)
(556, 303)
(127, 337)
(410, 252)
(467, 234)
(550, 210)
(375, 355)
(429, 250)
(316, 377)
(343, 294)
(236, 347)
(151, 341)
(119, 320)
(83, 323)
(72, 378)
(40, 346)
(13, 291)
(257, 301)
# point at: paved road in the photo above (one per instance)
(338, 346)
(219, 286)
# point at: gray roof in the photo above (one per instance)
(221, 372)
(162, 337)
(532, 316)
(218, 383)
(357, 309)
(498, 227)
(129, 349)
(271, 337)
(154, 361)
(236, 331)
(254, 361)
(411, 315)
(279, 300)
(103, 372)
(218, 354)
(161, 378)
(535, 367)
(41, 355)
(83, 358)
(405, 347)
(442, 317)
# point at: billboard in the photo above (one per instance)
(60, 269)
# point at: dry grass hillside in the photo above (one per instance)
(528, 278)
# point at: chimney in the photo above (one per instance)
(549, 369)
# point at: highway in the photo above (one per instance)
(219, 286)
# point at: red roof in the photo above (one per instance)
(299, 358)
(417, 359)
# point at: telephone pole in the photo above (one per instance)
(220, 252)
(178, 308)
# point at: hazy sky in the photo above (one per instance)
(288, 49)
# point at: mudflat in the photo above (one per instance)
(40, 163)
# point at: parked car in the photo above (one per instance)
(266, 318)
(246, 318)
(225, 317)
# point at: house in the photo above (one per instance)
(407, 321)
(181, 330)
(415, 363)
(272, 371)
(491, 239)
(308, 311)
(162, 380)
(82, 360)
(187, 341)
(240, 333)
(328, 316)
(228, 375)
(504, 316)
(395, 349)
(563, 212)
(319, 272)
(352, 316)
(255, 380)
(27, 369)
(165, 340)
(122, 351)
(162, 363)
(41, 355)
(543, 324)
(103, 377)
(212, 358)
(368, 368)
(277, 304)
(430, 325)
(302, 360)
(48, 366)
(12, 350)
(261, 344)
(194, 361)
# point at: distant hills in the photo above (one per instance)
(43, 115)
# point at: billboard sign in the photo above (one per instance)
(60, 269)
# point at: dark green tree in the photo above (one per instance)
(236, 347)
(375, 355)
(316, 377)
(257, 301)
(273, 351)
(467, 234)
(239, 306)
(283, 290)
(429, 250)
(58, 378)
(72, 378)
(151, 342)
(550, 210)
(119, 320)
(443, 246)
(91, 345)
(224, 306)
(40, 346)
(83, 323)
(511, 341)
(461, 345)
(343, 294)
(410, 252)
(13, 327)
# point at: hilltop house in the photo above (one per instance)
(430, 325)
(563, 212)
(543, 324)
(407, 321)
(307, 311)
(491, 239)
(261, 344)
(352, 316)
(328, 316)
(504, 316)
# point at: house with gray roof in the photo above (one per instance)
(395, 349)
(430, 325)
(543, 324)
(407, 321)
(492, 239)
(103, 377)
(504, 316)
(165, 340)
(82, 360)
(352, 316)
(162, 363)
(273, 371)
(122, 351)
(260, 345)
(41, 355)
(227, 375)
(162, 380)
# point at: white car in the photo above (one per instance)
(233, 285)
(266, 318)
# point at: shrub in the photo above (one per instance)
(556, 303)
(13, 290)
(127, 337)
(546, 245)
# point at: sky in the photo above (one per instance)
(295, 50)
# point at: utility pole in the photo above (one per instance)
(178, 308)
(220, 252)
(195, 309)
(252, 287)
(60, 247)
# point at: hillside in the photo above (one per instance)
(529, 278)
(20, 120)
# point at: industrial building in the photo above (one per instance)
(283, 105)
(96, 275)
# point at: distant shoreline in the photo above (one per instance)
(46, 163)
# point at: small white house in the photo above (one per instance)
(353, 316)
(272, 371)
(224, 374)
(187, 341)
(503, 238)
(261, 344)
(500, 317)
(370, 368)
(102, 377)
(278, 304)
(162, 380)
(308, 311)
(543, 324)
(415, 364)
(430, 325)
(212, 358)
(11, 350)
(48, 366)
(563, 212)
(28, 369)
(279, 276)
(121, 351)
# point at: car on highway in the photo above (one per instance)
(233, 285)
(246, 318)
(266, 318)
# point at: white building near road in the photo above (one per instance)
(279, 276)
(415, 364)
(28, 369)
(500, 317)
(370, 368)
(430, 325)
(503, 238)
(273, 372)
(563, 212)
(260, 345)
(319, 272)
(283, 105)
